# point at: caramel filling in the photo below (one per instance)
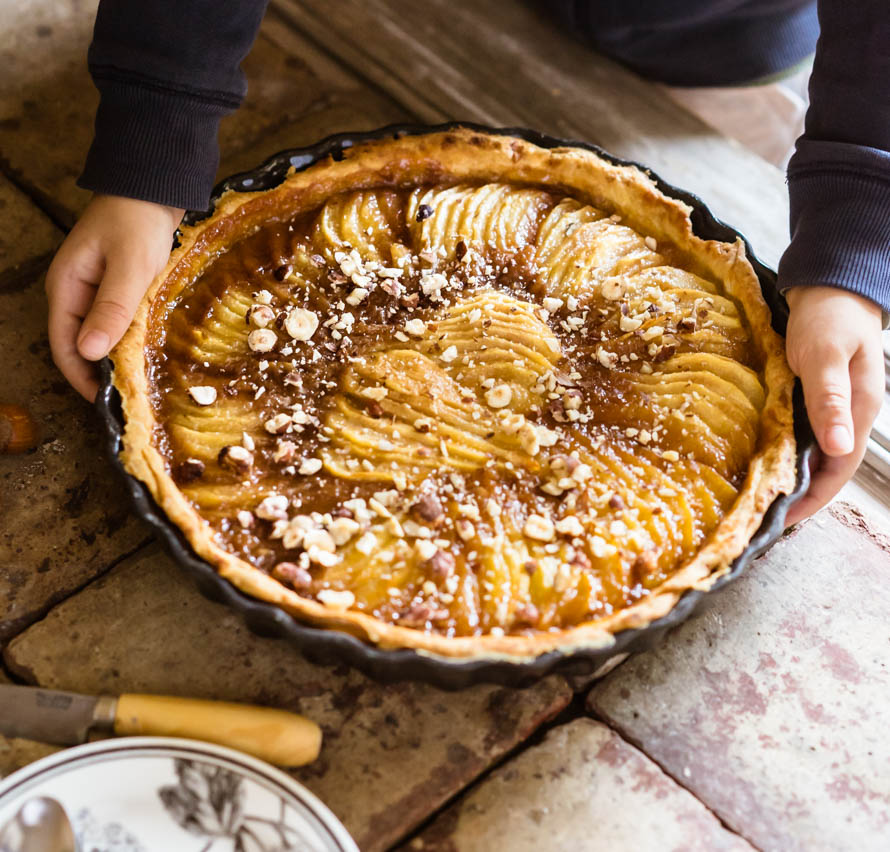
(467, 409)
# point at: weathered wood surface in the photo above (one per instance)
(47, 100)
(392, 754)
(504, 62)
(582, 788)
(772, 707)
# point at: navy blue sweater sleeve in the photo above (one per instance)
(839, 176)
(167, 71)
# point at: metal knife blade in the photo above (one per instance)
(51, 716)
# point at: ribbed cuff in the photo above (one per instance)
(840, 227)
(155, 144)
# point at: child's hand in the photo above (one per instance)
(98, 277)
(834, 345)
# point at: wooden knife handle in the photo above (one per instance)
(275, 736)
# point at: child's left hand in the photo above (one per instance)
(834, 344)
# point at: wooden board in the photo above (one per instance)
(504, 62)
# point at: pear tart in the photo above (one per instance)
(462, 394)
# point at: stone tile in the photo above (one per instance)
(392, 754)
(65, 517)
(772, 706)
(27, 238)
(16, 753)
(583, 787)
(47, 100)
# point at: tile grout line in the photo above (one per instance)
(638, 745)
(55, 212)
(45, 611)
(573, 710)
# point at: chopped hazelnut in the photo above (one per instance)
(236, 459)
(189, 471)
(538, 528)
(425, 549)
(465, 529)
(652, 332)
(528, 438)
(273, 508)
(416, 327)
(428, 509)
(292, 575)
(612, 289)
(557, 410)
(366, 543)
(262, 340)
(260, 315)
(285, 452)
(377, 392)
(499, 396)
(546, 437)
(245, 519)
(449, 355)
(300, 324)
(571, 400)
(651, 244)
(609, 360)
(310, 466)
(421, 613)
(526, 614)
(442, 565)
(356, 297)
(629, 323)
(278, 424)
(320, 540)
(342, 530)
(336, 599)
(582, 473)
(203, 394)
(570, 526)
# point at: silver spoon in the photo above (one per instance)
(41, 825)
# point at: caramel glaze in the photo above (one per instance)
(263, 262)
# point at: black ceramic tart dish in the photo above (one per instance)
(331, 646)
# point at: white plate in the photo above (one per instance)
(152, 794)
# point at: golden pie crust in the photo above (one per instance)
(473, 172)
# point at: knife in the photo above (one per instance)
(67, 718)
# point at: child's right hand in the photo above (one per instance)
(98, 277)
